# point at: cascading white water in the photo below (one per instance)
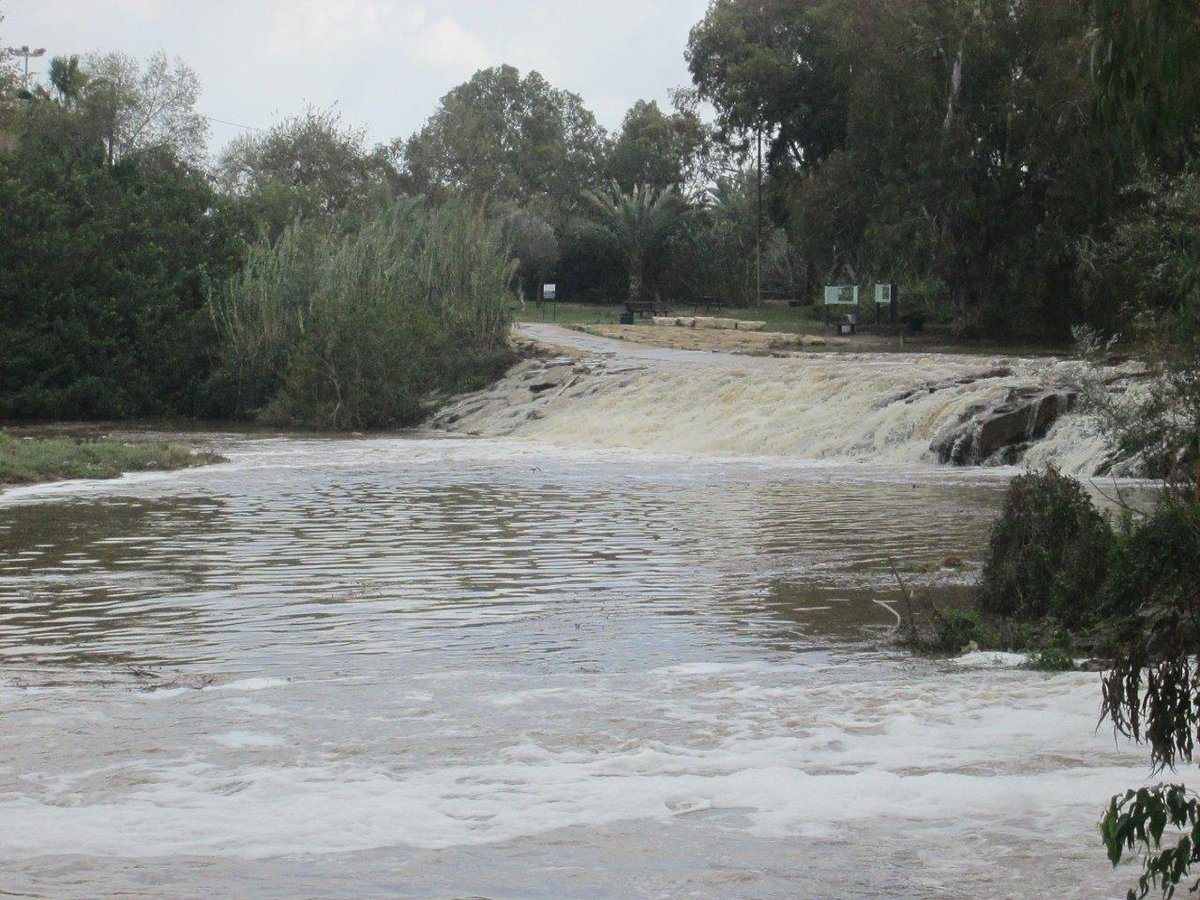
(843, 407)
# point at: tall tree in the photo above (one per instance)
(1144, 62)
(8, 69)
(776, 66)
(508, 137)
(657, 148)
(308, 166)
(107, 269)
(151, 107)
(943, 143)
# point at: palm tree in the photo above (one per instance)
(639, 222)
(67, 78)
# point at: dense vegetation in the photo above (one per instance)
(107, 269)
(333, 329)
(1048, 554)
(980, 153)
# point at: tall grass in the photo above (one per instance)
(363, 330)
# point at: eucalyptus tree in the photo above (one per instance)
(658, 148)
(505, 136)
(9, 76)
(640, 223)
(945, 143)
(1144, 62)
(777, 67)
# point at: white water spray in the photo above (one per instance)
(844, 407)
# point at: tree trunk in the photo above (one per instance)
(635, 279)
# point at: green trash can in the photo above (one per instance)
(626, 318)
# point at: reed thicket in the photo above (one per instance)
(327, 329)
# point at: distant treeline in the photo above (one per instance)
(959, 148)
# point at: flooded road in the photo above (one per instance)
(421, 666)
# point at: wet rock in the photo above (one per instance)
(1005, 431)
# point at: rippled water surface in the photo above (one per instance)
(430, 667)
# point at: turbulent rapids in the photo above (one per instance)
(881, 407)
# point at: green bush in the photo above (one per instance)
(958, 628)
(1050, 659)
(1048, 554)
(328, 330)
(105, 271)
(31, 460)
(1155, 561)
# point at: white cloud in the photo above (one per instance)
(385, 63)
(447, 45)
(319, 28)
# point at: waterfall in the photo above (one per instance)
(881, 407)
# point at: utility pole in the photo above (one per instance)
(28, 55)
(758, 233)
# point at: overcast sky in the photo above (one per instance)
(385, 63)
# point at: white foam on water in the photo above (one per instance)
(822, 760)
(883, 408)
(990, 659)
(247, 740)
(249, 684)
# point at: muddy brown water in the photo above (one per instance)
(421, 666)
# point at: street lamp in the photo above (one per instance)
(28, 55)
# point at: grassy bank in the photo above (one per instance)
(32, 460)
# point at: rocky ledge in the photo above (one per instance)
(1002, 433)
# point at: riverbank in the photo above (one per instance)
(31, 460)
(781, 340)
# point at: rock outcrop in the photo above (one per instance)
(1002, 433)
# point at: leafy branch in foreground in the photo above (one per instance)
(1139, 819)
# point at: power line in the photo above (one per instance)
(231, 124)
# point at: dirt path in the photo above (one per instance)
(770, 343)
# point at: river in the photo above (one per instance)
(423, 665)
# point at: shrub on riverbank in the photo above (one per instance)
(1060, 581)
(1048, 554)
(30, 460)
(362, 330)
